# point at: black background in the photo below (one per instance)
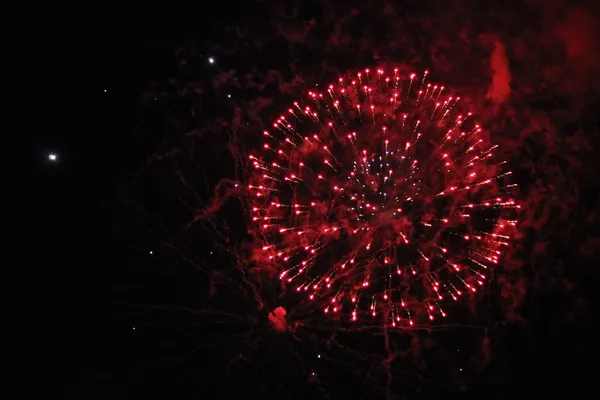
(81, 275)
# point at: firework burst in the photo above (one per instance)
(380, 197)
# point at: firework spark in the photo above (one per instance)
(380, 196)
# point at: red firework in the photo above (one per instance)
(380, 195)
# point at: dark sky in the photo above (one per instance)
(126, 98)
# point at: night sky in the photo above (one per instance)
(143, 281)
